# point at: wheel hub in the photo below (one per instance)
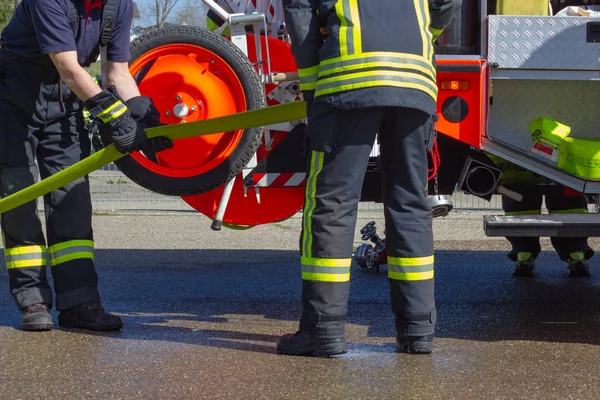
(181, 110)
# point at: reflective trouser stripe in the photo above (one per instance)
(71, 250)
(422, 10)
(113, 112)
(25, 256)
(316, 165)
(350, 34)
(570, 211)
(524, 212)
(410, 268)
(308, 77)
(326, 269)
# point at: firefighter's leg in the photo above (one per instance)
(69, 230)
(24, 245)
(404, 136)
(574, 251)
(339, 144)
(524, 249)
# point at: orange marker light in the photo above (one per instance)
(455, 85)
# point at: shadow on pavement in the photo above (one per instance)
(230, 298)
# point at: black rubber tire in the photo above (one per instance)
(250, 139)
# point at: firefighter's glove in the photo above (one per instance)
(117, 126)
(142, 109)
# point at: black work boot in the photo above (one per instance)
(414, 344)
(525, 265)
(577, 266)
(37, 318)
(89, 316)
(303, 343)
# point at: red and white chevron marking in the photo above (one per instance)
(286, 179)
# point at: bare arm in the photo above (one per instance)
(119, 75)
(76, 78)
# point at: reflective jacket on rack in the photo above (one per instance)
(368, 53)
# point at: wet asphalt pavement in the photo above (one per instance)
(202, 311)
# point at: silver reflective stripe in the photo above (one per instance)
(21, 257)
(327, 69)
(379, 77)
(325, 270)
(405, 269)
(71, 250)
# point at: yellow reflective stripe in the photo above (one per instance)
(113, 112)
(423, 27)
(303, 72)
(109, 109)
(355, 22)
(380, 78)
(410, 276)
(377, 64)
(524, 212)
(339, 11)
(24, 250)
(308, 77)
(385, 54)
(570, 211)
(70, 257)
(427, 32)
(369, 84)
(326, 262)
(315, 276)
(411, 261)
(34, 262)
(316, 164)
(71, 243)
(308, 86)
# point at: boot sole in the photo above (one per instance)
(323, 351)
(408, 349)
(38, 327)
(71, 324)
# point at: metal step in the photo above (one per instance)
(556, 225)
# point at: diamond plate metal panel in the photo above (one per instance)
(518, 102)
(542, 43)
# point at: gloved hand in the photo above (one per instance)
(142, 109)
(117, 126)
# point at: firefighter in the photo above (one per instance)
(365, 67)
(574, 251)
(43, 92)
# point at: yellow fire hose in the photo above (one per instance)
(265, 116)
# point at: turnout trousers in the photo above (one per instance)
(556, 204)
(339, 143)
(41, 120)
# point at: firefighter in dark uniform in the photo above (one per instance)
(366, 67)
(574, 251)
(43, 91)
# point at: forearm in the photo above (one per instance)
(74, 76)
(124, 82)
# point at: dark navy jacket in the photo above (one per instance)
(41, 27)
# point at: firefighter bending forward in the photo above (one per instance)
(43, 90)
(366, 67)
